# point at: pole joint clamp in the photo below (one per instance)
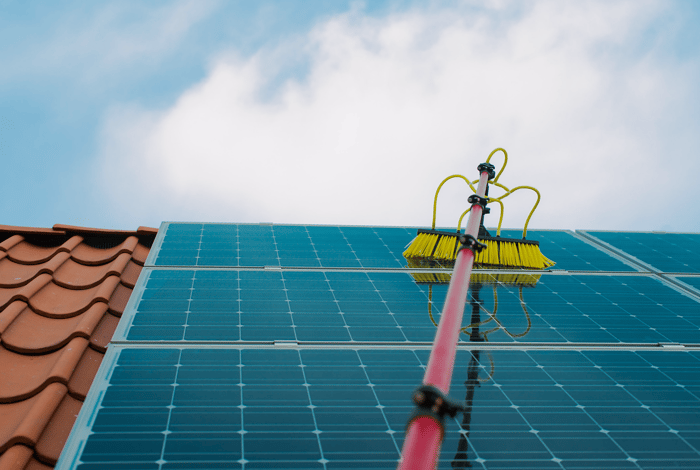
(469, 242)
(476, 199)
(488, 168)
(431, 402)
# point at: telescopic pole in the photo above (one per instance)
(426, 429)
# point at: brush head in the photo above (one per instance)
(438, 248)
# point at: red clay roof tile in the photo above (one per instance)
(25, 375)
(36, 465)
(72, 275)
(86, 254)
(16, 457)
(24, 293)
(27, 230)
(14, 274)
(8, 315)
(103, 332)
(24, 421)
(148, 231)
(85, 372)
(31, 333)
(131, 274)
(50, 444)
(61, 292)
(56, 301)
(140, 254)
(28, 253)
(118, 300)
(10, 242)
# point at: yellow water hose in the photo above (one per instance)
(438, 192)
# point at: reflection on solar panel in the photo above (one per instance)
(203, 408)
(669, 252)
(309, 363)
(571, 253)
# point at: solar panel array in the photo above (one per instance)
(266, 346)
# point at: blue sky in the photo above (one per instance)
(120, 114)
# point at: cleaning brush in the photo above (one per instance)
(437, 248)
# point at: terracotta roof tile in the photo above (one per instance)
(148, 231)
(140, 254)
(16, 457)
(103, 333)
(61, 293)
(32, 333)
(25, 292)
(36, 465)
(25, 375)
(118, 300)
(14, 274)
(50, 444)
(10, 242)
(56, 301)
(131, 274)
(85, 372)
(8, 315)
(86, 254)
(24, 421)
(72, 275)
(27, 253)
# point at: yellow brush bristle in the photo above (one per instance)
(422, 246)
(434, 247)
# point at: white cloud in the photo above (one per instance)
(579, 93)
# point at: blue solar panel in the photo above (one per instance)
(669, 252)
(339, 246)
(197, 381)
(283, 245)
(266, 408)
(569, 252)
(693, 281)
(263, 305)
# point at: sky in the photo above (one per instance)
(121, 114)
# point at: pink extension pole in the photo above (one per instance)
(425, 432)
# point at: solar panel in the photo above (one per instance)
(283, 245)
(693, 281)
(316, 408)
(361, 306)
(339, 246)
(273, 346)
(669, 252)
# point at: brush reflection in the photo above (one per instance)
(480, 326)
(479, 329)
